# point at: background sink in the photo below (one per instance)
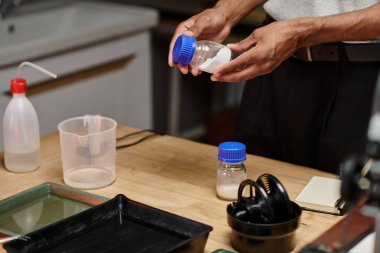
(47, 27)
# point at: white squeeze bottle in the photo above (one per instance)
(21, 128)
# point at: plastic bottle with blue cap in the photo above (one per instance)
(204, 55)
(231, 171)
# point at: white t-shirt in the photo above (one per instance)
(291, 9)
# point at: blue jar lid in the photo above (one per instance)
(184, 49)
(231, 152)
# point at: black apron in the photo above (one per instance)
(308, 113)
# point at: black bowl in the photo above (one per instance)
(264, 238)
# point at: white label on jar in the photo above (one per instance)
(223, 56)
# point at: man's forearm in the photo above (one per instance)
(235, 10)
(351, 26)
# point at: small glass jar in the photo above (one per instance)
(204, 55)
(231, 171)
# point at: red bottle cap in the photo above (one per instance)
(18, 85)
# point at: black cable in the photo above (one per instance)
(136, 142)
(133, 133)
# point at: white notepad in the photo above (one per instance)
(320, 194)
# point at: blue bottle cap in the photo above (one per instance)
(231, 152)
(183, 50)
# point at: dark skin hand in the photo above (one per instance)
(266, 47)
(208, 25)
(263, 50)
(212, 24)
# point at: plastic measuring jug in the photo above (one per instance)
(88, 150)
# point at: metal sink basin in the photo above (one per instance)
(48, 27)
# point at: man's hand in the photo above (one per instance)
(262, 51)
(268, 46)
(210, 24)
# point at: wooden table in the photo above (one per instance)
(177, 176)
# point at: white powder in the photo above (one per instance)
(223, 56)
(228, 192)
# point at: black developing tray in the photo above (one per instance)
(118, 225)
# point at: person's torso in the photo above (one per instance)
(291, 9)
